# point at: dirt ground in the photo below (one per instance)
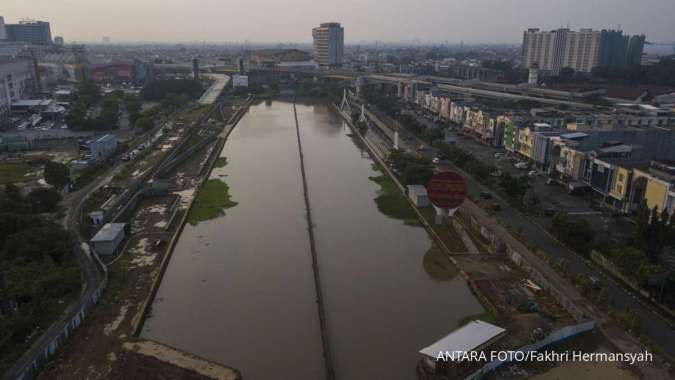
(103, 347)
(493, 276)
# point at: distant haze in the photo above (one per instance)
(453, 21)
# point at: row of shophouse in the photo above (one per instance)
(624, 154)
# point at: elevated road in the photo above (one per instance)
(220, 81)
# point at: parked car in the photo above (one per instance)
(485, 195)
(496, 206)
(521, 165)
(532, 173)
(436, 160)
(499, 155)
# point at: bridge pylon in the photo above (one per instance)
(363, 114)
(345, 101)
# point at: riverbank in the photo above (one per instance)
(105, 346)
(491, 275)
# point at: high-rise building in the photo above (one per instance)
(613, 51)
(581, 50)
(16, 80)
(3, 30)
(635, 49)
(195, 68)
(32, 32)
(329, 44)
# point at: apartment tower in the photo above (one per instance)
(328, 44)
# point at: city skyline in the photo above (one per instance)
(431, 21)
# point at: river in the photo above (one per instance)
(239, 289)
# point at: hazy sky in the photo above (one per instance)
(364, 20)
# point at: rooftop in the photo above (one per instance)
(471, 336)
(108, 232)
(105, 138)
(417, 189)
(32, 102)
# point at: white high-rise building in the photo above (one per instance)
(329, 44)
(556, 49)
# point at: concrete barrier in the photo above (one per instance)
(327, 357)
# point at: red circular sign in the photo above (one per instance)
(446, 190)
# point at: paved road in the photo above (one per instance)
(653, 325)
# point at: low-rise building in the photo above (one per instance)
(240, 81)
(484, 126)
(655, 184)
(418, 195)
(109, 238)
(14, 143)
(103, 147)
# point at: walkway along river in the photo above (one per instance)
(240, 288)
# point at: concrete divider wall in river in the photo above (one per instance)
(327, 357)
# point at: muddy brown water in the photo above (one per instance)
(239, 289)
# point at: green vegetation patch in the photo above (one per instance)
(438, 265)
(389, 199)
(15, 172)
(221, 162)
(211, 202)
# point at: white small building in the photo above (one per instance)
(418, 195)
(108, 239)
(474, 336)
(240, 81)
(103, 147)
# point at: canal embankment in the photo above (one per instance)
(207, 168)
(504, 248)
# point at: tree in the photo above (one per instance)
(566, 75)
(45, 240)
(145, 124)
(516, 187)
(433, 134)
(576, 233)
(158, 90)
(642, 227)
(11, 223)
(530, 198)
(13, 193)
(44, 200)
(133, 106)
(88, 93)
(56, 174)
(109, 116)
